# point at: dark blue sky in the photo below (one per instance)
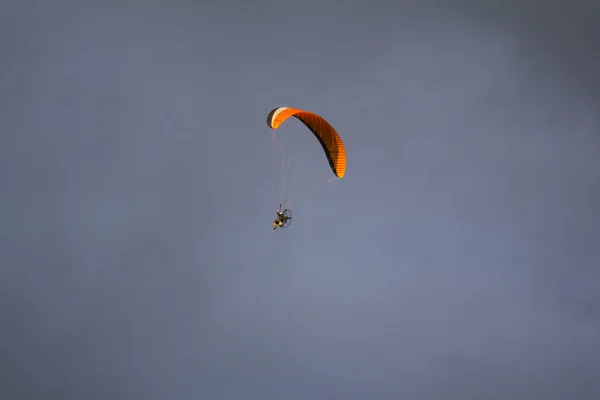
(459, 257)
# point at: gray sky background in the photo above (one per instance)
(459, 257)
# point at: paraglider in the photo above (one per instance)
(284, 218)
(330, 141)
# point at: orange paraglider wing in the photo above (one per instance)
(325, 133)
